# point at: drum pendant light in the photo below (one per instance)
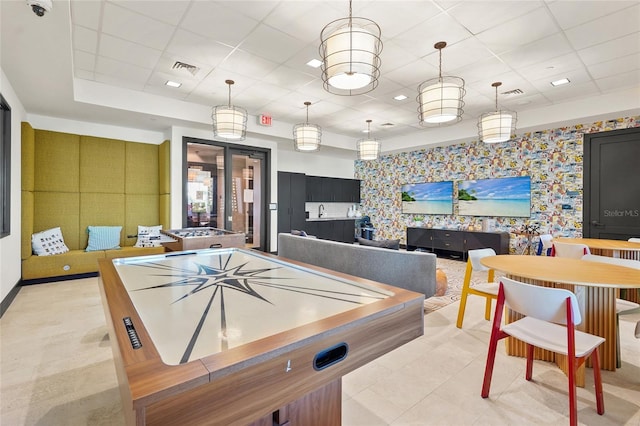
(368, 148)
(350, 52)
(440, 99)
(497, 126)
(306, 137)
(229, 122)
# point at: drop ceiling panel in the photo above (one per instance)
(538, 51)
(268, 42)
(568, 15)
(570, 91)
(168, 12)
(395, 17)
(604, 29)
(217, 22)
(551, 67)
(610, 50)
(421, 38)
(86, 12)
(243, 63)
(193, 47)
(519, 31)
(620, 81)
(83, 61)
(616, 66)
(126, 51)
(294, 18)
(84, 39)
(257, 10)
(479, 16)
(128, 25)
(287, 77)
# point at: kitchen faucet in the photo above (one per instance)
(321, 210)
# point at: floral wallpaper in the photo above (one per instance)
(552, 158)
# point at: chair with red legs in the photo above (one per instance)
(551, 315)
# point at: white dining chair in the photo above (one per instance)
(551, 315)
(487, 289)
(573, 251)
(634, 240)
(622, 306)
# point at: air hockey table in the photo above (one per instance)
(231, 336)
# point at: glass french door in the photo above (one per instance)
(225, 189)
(247, 200)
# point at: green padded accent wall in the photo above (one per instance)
(141, 209)
(27, 224)
(101, 165)
(28, 156)
(53, 209)
(164, 160)
(141, 168)
(165, 211)
(100, 209)
(56, 161)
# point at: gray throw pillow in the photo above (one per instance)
(388, 244)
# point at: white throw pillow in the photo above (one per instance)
(148, 236)
(49, 242)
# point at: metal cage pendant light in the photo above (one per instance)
(350, 51)
(499, 125)
(368, 148)
(306, 137)
(440, 99)
(229, 122)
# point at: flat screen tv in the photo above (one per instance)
(507, 197)
(428, 198)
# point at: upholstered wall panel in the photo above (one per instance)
(165, 211)
(141, 209)
(141, 168)
(27, 223)
(101, 165)
(28, 157)
(164, 160)
(53, 209)
(100, 209)
(57, 161)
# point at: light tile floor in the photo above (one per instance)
(56, 368)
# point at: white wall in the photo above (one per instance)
(322, 163)
(10, 267)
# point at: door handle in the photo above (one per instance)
(597, 224)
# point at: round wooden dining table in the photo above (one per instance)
(612, 248)
(596, 285)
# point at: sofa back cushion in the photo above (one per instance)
(409, 270)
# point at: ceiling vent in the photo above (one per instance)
(513, 92)
(193, 70)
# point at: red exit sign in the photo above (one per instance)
(264, 120)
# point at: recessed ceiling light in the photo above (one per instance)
(560, 82)
(315, 63)
(173, 83)
(387, 125)
(400, 97)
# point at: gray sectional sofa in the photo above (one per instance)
(410, 270)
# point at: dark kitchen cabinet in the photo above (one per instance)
(334, 230)
(337, 190)
(291, 199)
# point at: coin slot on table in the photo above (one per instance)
(132, 333)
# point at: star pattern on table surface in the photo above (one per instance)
(225, 276)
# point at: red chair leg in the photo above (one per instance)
(597, 380)
(496, 334)
(572, 366)
(529, 361)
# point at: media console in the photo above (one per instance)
(456, 242)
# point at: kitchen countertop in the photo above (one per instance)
(322, 219)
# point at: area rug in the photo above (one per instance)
(454, 269)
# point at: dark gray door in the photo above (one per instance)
(612, 184)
